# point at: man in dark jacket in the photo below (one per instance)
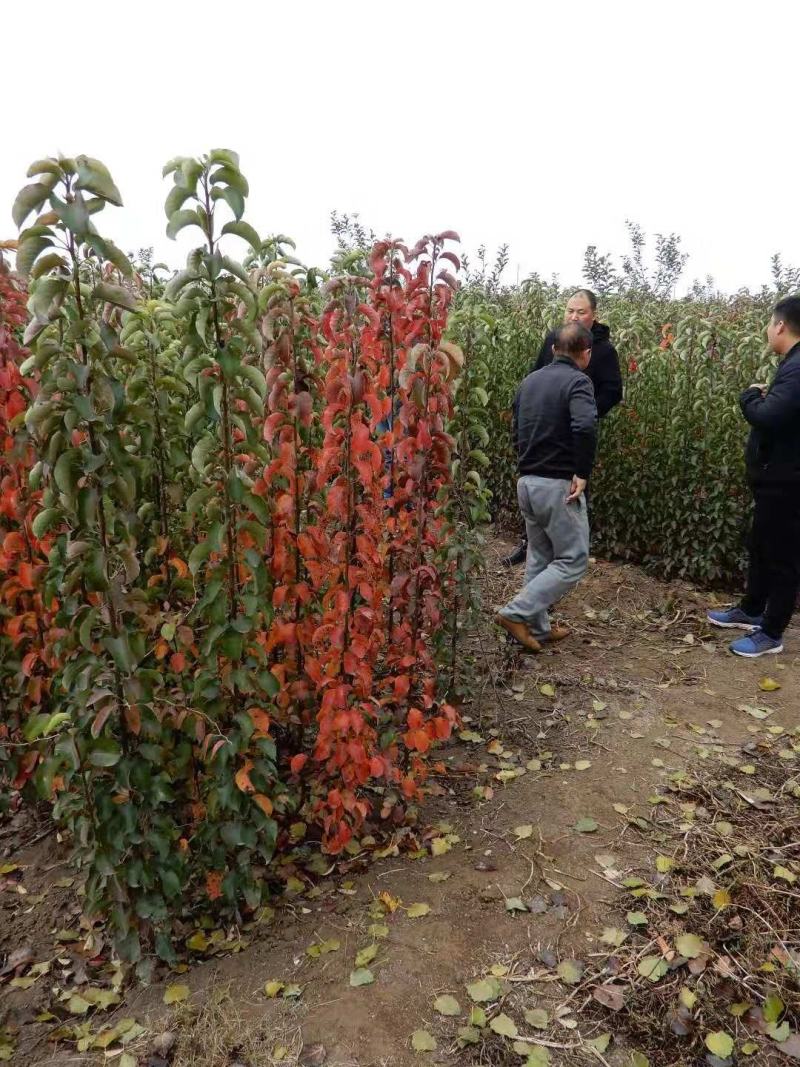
(555, 433)
(773, 470)
(603, 369)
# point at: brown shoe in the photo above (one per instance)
(557, 633)
(520, 632)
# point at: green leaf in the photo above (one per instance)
(114, 294)
(417, 911)
(231, 177)
(504, 1026)
(67, 471)
(653, 968)
(121, 652)
(95, 177)
(51, 262)
(422, 1041)
(105, 752)
(29, 198)
(245, 231)
(361, 976)
(570, 971)
(255, 377)
(176, 198)
(485, 990)
(226, 156)
(600, 1043)
(537, 1018)
(108, 250)
(234, 200)
(175, 993)
(720, 1044)
(28, 250)
(201, 452)
(689, 945)
(468, 1035)
(447, 1005)
(366, 955)
(587, 825)
(44, 166)
(773, 1008)
(44, 520)
(179, 220)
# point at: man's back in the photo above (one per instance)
(555, 422)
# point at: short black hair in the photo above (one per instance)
(788, 311)
(572, 339)
(589, 296)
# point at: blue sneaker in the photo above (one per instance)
(756, 644)
(734, 619)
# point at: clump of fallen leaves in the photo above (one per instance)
(703, 966)
(707, 968)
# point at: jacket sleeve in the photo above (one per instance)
(545, 353)
(780, 407)
(583, 420)
(607, 382)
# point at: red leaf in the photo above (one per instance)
(177, 662)
(297, 762)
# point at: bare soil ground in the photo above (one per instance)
(521, 857)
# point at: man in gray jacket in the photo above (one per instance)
(555, 434)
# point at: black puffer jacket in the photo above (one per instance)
(603, 368)
(773, 449)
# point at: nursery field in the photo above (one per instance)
(272, 788)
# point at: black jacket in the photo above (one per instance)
(555, 422)
(773, 449)
(603, 368)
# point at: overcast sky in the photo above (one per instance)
(544, 125)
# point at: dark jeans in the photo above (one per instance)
(773, 579)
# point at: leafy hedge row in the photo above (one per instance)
(237, 544)
(669, 489)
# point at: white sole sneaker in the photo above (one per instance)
(757, 655)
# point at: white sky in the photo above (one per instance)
(545, 125)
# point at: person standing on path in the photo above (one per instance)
(555, 434)
(603, 369)
(773, 470)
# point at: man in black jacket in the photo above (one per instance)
(773, 470)
(603, 369)
(555, 433)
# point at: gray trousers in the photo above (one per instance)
(558, 549)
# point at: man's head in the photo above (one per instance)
(783, 331)
(574, 342)
(581, 308)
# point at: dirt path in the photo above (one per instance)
(557, 755)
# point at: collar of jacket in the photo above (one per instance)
(793, 351)
(600, 332)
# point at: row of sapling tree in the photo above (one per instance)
(669, 487)
(237, 529)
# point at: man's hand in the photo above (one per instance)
(577, 489)
(761, 386)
